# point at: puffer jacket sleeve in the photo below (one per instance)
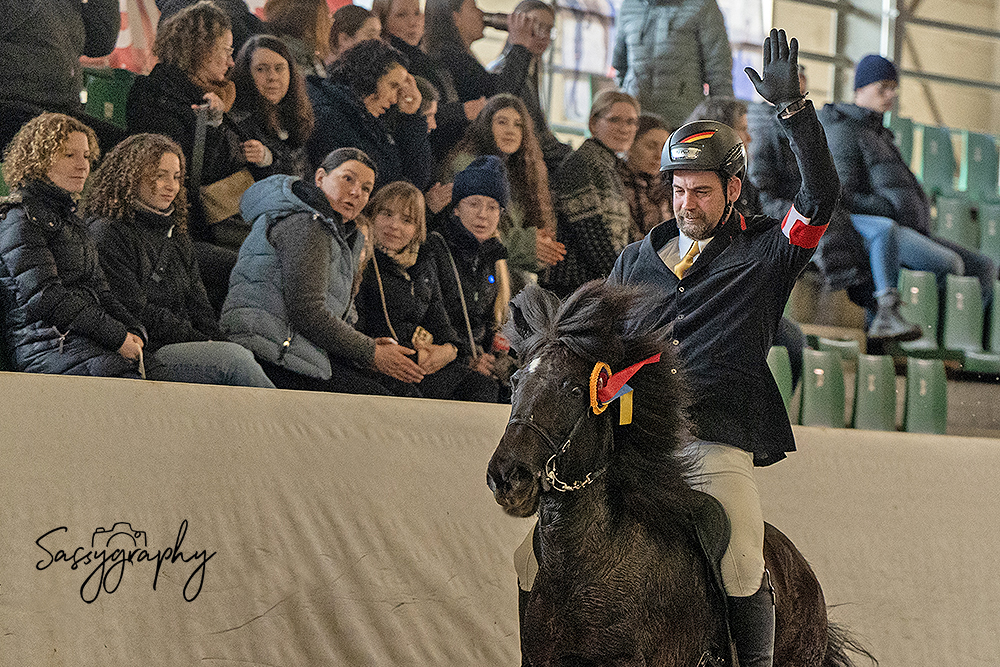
(845, 140)
(101, 20)
(716, 55)
(26, 257)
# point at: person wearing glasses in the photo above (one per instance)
(591, 204)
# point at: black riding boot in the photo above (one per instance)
(751, 621)
(522, 606)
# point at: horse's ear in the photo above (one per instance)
(531, 313)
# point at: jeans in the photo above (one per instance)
(212, 362)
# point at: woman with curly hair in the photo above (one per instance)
(400, 297)
(60, 316)
(195, 51)
(364, 83)
(137, 211)
(272, 106)
(305, 26)
(352, 24)
(528, 224)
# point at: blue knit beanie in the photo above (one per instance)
(485, 176)
(874, 68)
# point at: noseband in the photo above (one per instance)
(557, 450)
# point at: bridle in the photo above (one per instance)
(550, 477)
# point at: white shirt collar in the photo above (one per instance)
(684, 243)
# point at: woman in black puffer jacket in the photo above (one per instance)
(59, 315)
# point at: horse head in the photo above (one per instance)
(564, 425)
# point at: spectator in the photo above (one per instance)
(304, 25)
(884, 198)
(594, 215)
(41, 42)
(666, 52)
(528, 223)
(543, 18)
(400, 298)
(245, 23)
(641, 176)
(452, 27)
(60, 316)
(352, 24)
(364, 83)
(467, 253)
(138, 218)
(290, 294)
(272, 106)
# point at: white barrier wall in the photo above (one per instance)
(288, 528)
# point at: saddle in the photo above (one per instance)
(712, 528)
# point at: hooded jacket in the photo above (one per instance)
(60, 317)
(666, 50)
(290, 292)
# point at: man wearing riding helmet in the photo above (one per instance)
(726, 280)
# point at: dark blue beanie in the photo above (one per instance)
(485, 176)
(874, 68)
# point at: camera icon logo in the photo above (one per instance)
(122, 534)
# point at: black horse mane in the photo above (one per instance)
(613, 324)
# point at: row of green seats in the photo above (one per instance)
(107, 92)
(822, 401)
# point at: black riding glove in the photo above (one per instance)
(780, 84)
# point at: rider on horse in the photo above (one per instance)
(726, 280)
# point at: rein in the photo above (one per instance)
(551, 478)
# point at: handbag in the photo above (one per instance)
(219, 200)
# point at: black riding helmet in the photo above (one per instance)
(705, 145)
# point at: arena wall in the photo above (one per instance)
(282, 528)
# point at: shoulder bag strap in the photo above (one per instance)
(461, 295)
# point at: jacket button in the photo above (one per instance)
(680, 289)
(673, 371)
(676, 342)
(681, 316)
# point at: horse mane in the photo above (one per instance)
(615, 324)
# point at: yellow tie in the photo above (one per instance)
(682, 266)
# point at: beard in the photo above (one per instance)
(696, 226)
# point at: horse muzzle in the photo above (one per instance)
(514, 486)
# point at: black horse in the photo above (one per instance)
(623, 576)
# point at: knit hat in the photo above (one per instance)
(874, 68)
(486, 176)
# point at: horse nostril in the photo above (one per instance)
(490, 483)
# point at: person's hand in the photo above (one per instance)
(409, 96)
(548, 251)
(483, 364)
(780, 83)
(131, 347)
(255, 152)
(214, 102)
(435, 357)
(391, 358)
(438, 196)
(520, 28)
(473, 107)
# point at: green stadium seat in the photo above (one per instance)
(918, 293)
(937, 160)
(107, 91)
(902, 128)
(926, 406)
(963, 314)
(994, 320)
(822, 402)
(989, 230)
(954, 221)
(847, 349)
(781, 369)
(4, 190)
(980, 167)
(875, 394)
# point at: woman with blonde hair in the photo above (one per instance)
(591, 204)
(304, 25)
(60, 316)
(137, 210)
(400, 297)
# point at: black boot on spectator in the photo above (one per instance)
(751, 622)
(888, 323)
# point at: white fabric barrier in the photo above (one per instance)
(314, 529)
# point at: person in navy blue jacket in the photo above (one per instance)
(721, 312)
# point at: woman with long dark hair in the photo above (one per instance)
(351, 24)
(305, 26)
(528, 225)
(272, 106)
(137, 211)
